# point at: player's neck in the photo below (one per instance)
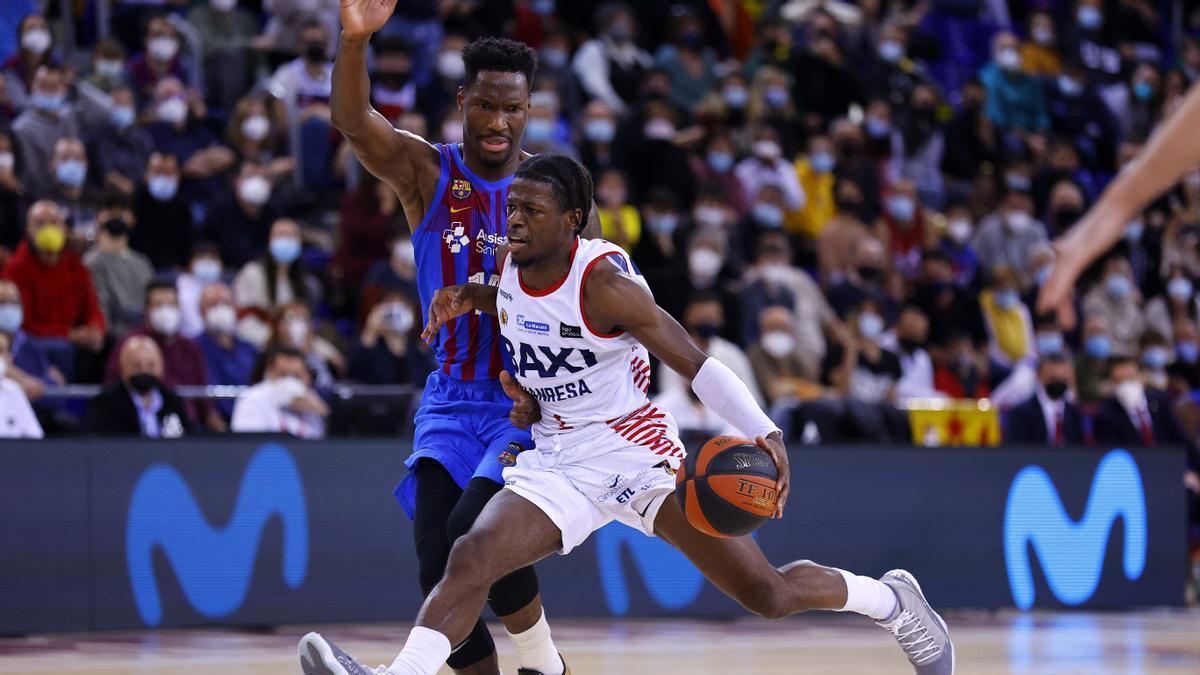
(543, 274)
(489, 172)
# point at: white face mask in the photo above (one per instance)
(173, 110)
(221, 319)
(1018, 221)
(776, 273)
(778, 344)
(404, 253)
(450, 65)
(705, 262)
(1131, 394)
(959, 230)
(207, 270)
(399, 317)
(36, 40)
(255, 190)
(297, 330)
(163, 48)
(165, 319)
(7, 161)
(224, 5)
(768, 150)
(256, 127)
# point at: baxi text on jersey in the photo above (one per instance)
(560, 392)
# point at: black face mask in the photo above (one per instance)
(393, 80)
(909, 345)
(314, 51)
(869, 274)
(143, 383)
(706, 331)
(116, 227)
(1056, 389)
(1065, 218)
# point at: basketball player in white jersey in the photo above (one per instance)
(574, 316)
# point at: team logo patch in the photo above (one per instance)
(460, 188)
(504, 317)
(509, 456)
(569, 331)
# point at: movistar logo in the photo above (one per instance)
(1072, 553)
(213, 564)
(670, 578)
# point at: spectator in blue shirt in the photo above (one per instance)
(1014, 98)
(229, 359)
(180, 129)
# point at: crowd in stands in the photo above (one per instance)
(850, 204)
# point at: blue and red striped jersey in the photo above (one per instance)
(456, 243)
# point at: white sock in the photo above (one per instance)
(423, 654)
(536, 650)
(868, 596)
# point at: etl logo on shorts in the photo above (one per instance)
(532, 326)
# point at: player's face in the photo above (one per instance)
(538, 228)
(495, 108)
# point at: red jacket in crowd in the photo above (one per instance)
(55, 298)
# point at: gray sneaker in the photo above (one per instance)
(319, 656)
(919, 630)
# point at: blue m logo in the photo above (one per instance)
(671, 579)
(214, 564)
(1072, 553)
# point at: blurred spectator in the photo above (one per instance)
(61, 310)
(956, 244)
(394, 88)
(293, 328)
(12, 228)
(863, 281)
(389, 350)
(253, 133)
(962, 372)
(1091, 365)
(48, 118)
(181, 130)
(1135, 417)
(139, 403)
(34, 51)
(766, 166)
(775, 359)
(918, 144)
(620, 221)
(163, 228)
(1039, 53)
(370, 218)
(974, 146)
(184, 362)
(120, 275)
(1014, 98)
(240, 222)
(815, 172)
(651, 154)
(1009, 324)
(304, 84)
(1178, 302)
(611, 66)
(690, 414)
(439, 90)
(226, 32)
(1139, 106)
(1065, 208)
(1049, 417)
(1094, 43)
(938, 294)
(889, 74)
(1077, 112)
(709, 270)
(916, 368)
(228, 359)
(861, 369)
(70, 189)
(16, 415)
(714, 171)
(159, 61)
(397, 273)
(205, 270)
(108, 68)
(1008, 236)
(288, 19)
(905, 228)
(838, 243)
(661, 252)
(767, 215)
(263, 286)
(1118, 300)
(826, 86)
(1185, 369)
(283, 402)
(1155, 354)
(687, 58)
(29, 366)
(543, 132)
(599, 127)
(703, 318)
(121, 148)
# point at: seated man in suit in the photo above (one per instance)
(1048, 417)
(139, 404)
(1135, 417)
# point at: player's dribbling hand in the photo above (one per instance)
(773, 445)
(447, 303)
(525, 411)
(362, 18)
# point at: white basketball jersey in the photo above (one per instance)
(577, 374)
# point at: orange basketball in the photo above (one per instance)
(728, 488)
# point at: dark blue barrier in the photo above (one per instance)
(245, 531)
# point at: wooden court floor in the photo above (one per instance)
(1135, 643)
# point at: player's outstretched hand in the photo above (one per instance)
(447, 303)
(773, 444)
(362, 18)
(525, 411)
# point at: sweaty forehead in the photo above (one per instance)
(500, 86)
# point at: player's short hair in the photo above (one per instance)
(498, 54)
(570, 181)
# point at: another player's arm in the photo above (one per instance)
(454, 301)
(592, 229)
(1173, 148)
(612, 300)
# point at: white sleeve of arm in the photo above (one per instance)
(720, 389)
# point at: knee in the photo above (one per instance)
(764, 599)
(468, 564)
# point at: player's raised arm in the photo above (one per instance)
(1171, 151)
(613, 300)
(385, 151)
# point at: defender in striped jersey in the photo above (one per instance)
(453, 196)
(605, 468)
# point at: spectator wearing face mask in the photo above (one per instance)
(956, 243)
(228, 359)
(1049, 417)
(1117, 299)
(703, 318)
(17, 419)
(283, 402)
(1139, 109)
(183, 360)
(919, 144)
(1134, 417)
(394, 89)
(108, 70)
(661, 252)
(776, 362)
(687, 59)
(241, 221)
(1155, 354)
(911, 334)
(599, 131)
(1039, 53)
(1163, 310)
(1009, 236)
(861, 369)
(263, 286)
(48, 118)
(960, 371)
(70, 189)
(165, 230)
(714, 171)
(1185, 368)
(34, 50)
(620, 221)
(120, 149)
(1009, 324)
(817, 180)
(388, 350)
(905, 229)
(1091, 364)
(254, 135)
(1014, 98)
(57, 295)
(768, 215)
(226, 33)
(138, 403)
(29, 367)
(159, 61)
(709, 270)
(180, 129)
(1079, 114)
(371, 217)
(766, 166)
(544, 132)
(611, 66)
(863, 281)
(938, 295)
(305, 82)
(651, 154)
(396, 273)
(119, 273)
(292, 328)
(204, 271)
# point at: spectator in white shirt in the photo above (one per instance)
(703, 319)
(767, 166)
(916, 368)
(610, 67)
(16, 415)
(284, 402)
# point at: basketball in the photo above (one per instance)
(728, 487)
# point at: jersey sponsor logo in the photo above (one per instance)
(526, 326)
(614, 480)
(489, 243)
(561, 392)
(455, 237)
(505, 294)
(569, 331)
(459, 210)
(625, 496)
(544, 361)
(460, 188)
